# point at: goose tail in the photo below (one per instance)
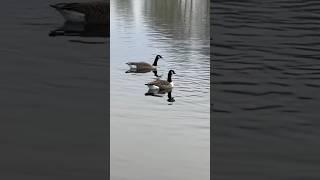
(152, 87)
(132, 65)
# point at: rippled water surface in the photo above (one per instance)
(266, 89)
(54, 95)
(152, 138)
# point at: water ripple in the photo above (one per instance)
(265, 78)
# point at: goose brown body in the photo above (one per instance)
(162, 84)
(143, 66)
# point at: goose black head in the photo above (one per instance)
(172, 72)
(169, 75)
(156, 60)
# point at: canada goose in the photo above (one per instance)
(84, 12)
(143, 66)
(162, 84)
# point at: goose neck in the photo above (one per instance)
(169, 77)
(155, 63)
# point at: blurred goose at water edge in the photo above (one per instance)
(84, 12)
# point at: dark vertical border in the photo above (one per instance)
(108, 97)
(211, 89)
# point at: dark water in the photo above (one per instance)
(265, 57)
(54, 95)
(152, 138)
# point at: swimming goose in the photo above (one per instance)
(143, 66)
(162, 84)
(84, 12)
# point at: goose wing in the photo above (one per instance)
(140, 65)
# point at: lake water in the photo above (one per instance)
(54, 97)
(266, 89)
(152, 138)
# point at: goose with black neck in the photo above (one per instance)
(143, 67)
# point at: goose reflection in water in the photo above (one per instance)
(155, 72)
(161, 93)
(82, 30)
